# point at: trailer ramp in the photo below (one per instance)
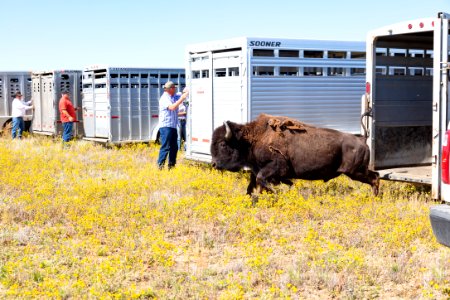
(421, 174)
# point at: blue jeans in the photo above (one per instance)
(181, 130)
(18, 126)
(168, 136)
(67, 131)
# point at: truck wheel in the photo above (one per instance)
(440, 223)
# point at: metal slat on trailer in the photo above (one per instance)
(121, 105)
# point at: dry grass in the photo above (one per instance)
(93, 222)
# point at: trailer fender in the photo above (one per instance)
(155, 134)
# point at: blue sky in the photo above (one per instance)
(49, 34)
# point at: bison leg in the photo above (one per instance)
(287, 182)
(274, 172)
(251, 186)
(374, 178)
(370, 177)
(262, 186)
(255, 187)
(270, 174)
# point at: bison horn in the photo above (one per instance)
(228, 131)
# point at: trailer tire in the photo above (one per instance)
(28, 125)
(157, 139)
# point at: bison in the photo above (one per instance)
(277, 149)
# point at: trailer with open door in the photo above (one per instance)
(406, 108)
(47, 88)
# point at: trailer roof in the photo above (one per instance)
(96, 67)
(405, 27)
(54, 72)
(279, 43)
(14, 72)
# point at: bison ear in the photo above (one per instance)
(228, 133)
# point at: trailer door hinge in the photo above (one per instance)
(435, 106)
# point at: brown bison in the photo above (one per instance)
(277, 149)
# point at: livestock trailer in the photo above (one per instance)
(46, 92)
(10, 83)
(122, 104)
(315, 81)
(407, 108)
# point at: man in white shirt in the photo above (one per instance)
(18, 112)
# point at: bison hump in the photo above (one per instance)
(287, 124)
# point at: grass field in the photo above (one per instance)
(94, 222)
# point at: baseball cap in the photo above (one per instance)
(169, 84)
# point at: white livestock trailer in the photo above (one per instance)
(315, 81)
(11, 83)
(122, 104)
(408, 109)
(47, 89)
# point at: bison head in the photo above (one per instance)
(229, 149)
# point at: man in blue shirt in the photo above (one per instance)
(168, 120)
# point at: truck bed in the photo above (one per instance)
(421, 174)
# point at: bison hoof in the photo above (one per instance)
(375, 189)
(254, 200)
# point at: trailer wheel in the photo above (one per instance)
(7, 129)
(157, 140)
(27, 126)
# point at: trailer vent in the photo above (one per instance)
(288, 53)
(263, 52)
(312, 54)
(337, 54)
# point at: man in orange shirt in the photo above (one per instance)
(68, 116)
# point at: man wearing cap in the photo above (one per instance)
(18, 112)
(68, 116)
(168, 120)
